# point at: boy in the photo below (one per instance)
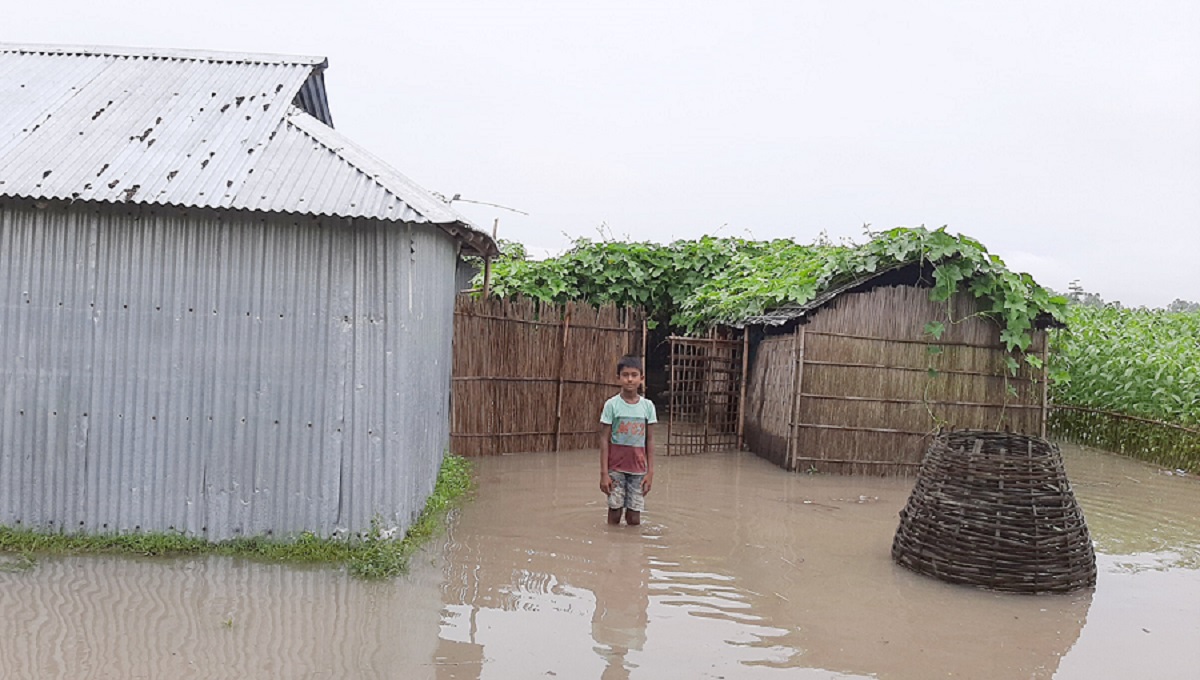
(626, 446)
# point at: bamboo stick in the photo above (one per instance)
(923, 369)
(882, 400)
(1045, 381)
(705, 395)
(645, 335)
(858, 462)
(487, 263)
(741, 428)
(908, 341)
(562, 362)
(793, 451)
(526, 379)
(1124, 416)
(849, 428)
(521, 434)
(671, 404)
(538, 322)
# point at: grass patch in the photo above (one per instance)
(375, 555)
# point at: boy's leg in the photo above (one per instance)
(616, 497)
(635, 502)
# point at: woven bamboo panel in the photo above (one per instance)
(865, 387)
(769, 399)
(529, 376)
(995, 510)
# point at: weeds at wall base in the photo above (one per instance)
(373, 556)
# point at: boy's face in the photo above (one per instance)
(630, 379)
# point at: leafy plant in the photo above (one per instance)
(695, 284)
(1128, 371)
(1141, 362)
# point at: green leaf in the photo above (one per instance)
(1012, 365)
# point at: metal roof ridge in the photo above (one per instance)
(392, 181)
(163, 53)
(383, 174)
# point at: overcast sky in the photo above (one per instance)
(1064, 135)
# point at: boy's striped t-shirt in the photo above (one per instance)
(627, 440)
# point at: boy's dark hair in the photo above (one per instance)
(630, 362)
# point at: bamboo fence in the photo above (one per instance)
(1172, 446)
(533, 377)
(860, 388)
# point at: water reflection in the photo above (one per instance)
(100, 617)
(1145, 521)
(738, 571)
(1133, 508)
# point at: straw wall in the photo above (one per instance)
(533, 377)
(769, 391)
(873, 387)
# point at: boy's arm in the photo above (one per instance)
(648, 481)
(605, 480)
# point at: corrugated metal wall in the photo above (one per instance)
(219, 374)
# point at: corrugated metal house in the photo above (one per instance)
(852, 383)
(218, 315)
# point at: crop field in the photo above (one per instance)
(1135, 362)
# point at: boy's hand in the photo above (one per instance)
(606, 484)
(647, 482)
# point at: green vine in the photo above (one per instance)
(696, 284)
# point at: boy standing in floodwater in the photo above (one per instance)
(626, 446)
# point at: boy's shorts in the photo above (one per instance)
(626, 491)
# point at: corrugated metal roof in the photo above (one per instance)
(195, 129)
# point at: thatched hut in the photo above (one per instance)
(853, 381)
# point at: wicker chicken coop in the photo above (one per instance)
(995, 510)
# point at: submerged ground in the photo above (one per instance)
(740, 570)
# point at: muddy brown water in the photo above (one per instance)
(740, 570)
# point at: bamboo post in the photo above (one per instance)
(645, 359)
(1045, 380)
(797, 385)
(741, 430)
(645, 347)
(495, 329)
(562, 362)
(705, 364)
(672, 386)
(487, 263)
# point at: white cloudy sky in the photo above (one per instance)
(1064, 135)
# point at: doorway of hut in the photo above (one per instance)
(697, 386)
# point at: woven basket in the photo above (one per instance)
(994, 509)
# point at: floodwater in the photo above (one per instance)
(739, 570)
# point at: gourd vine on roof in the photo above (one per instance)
(695, 284)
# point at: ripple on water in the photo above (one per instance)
(1133, 508)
